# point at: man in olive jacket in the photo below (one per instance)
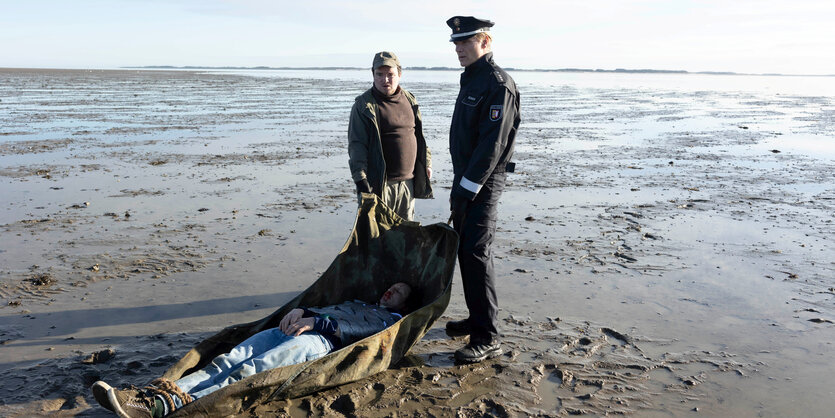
(387, 152)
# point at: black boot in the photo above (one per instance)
(458, 328)
(475, 352)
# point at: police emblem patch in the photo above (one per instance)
(495, 112)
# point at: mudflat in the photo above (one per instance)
(664, 249)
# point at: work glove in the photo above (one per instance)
(363, 186)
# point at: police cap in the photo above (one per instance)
(464, 27)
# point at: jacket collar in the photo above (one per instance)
(481, 64)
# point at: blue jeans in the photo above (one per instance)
(263, 351)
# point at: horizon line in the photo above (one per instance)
(441, 68)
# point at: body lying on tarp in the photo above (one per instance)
(383, 249)
(356, 320)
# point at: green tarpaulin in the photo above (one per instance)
(383, 249)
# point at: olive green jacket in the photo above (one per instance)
(365, 148)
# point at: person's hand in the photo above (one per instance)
(458, 208)
(291, 318)
(300, 326)
(363, 186)
(429, 173)
(458, 205)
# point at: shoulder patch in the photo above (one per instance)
(495, 112)
(499, 76)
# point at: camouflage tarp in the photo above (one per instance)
(383, 249)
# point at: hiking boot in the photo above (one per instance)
(458, 328)
(131, 403)
(100, 389)
(475, 352)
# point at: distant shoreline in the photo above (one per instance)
(457, 69)
(540, 70)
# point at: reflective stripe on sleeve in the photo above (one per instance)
(470, 186)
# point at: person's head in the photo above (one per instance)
(396, 297)
(386, 70)
(471, 38)
(473, 48)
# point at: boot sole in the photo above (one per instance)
(100, 390)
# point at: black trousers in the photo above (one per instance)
(476, 231)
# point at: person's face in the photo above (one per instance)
(386, 79)
(470, 50)
(395, 297)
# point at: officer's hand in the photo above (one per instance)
(363, 186)
(458, 206)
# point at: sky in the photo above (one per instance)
(744, 36)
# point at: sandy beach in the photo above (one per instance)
(665, 248)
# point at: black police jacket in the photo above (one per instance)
(484, 126)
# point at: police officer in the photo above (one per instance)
(481, 138)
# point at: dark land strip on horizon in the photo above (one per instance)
(541, 70)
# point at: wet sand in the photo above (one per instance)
(661, 251)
